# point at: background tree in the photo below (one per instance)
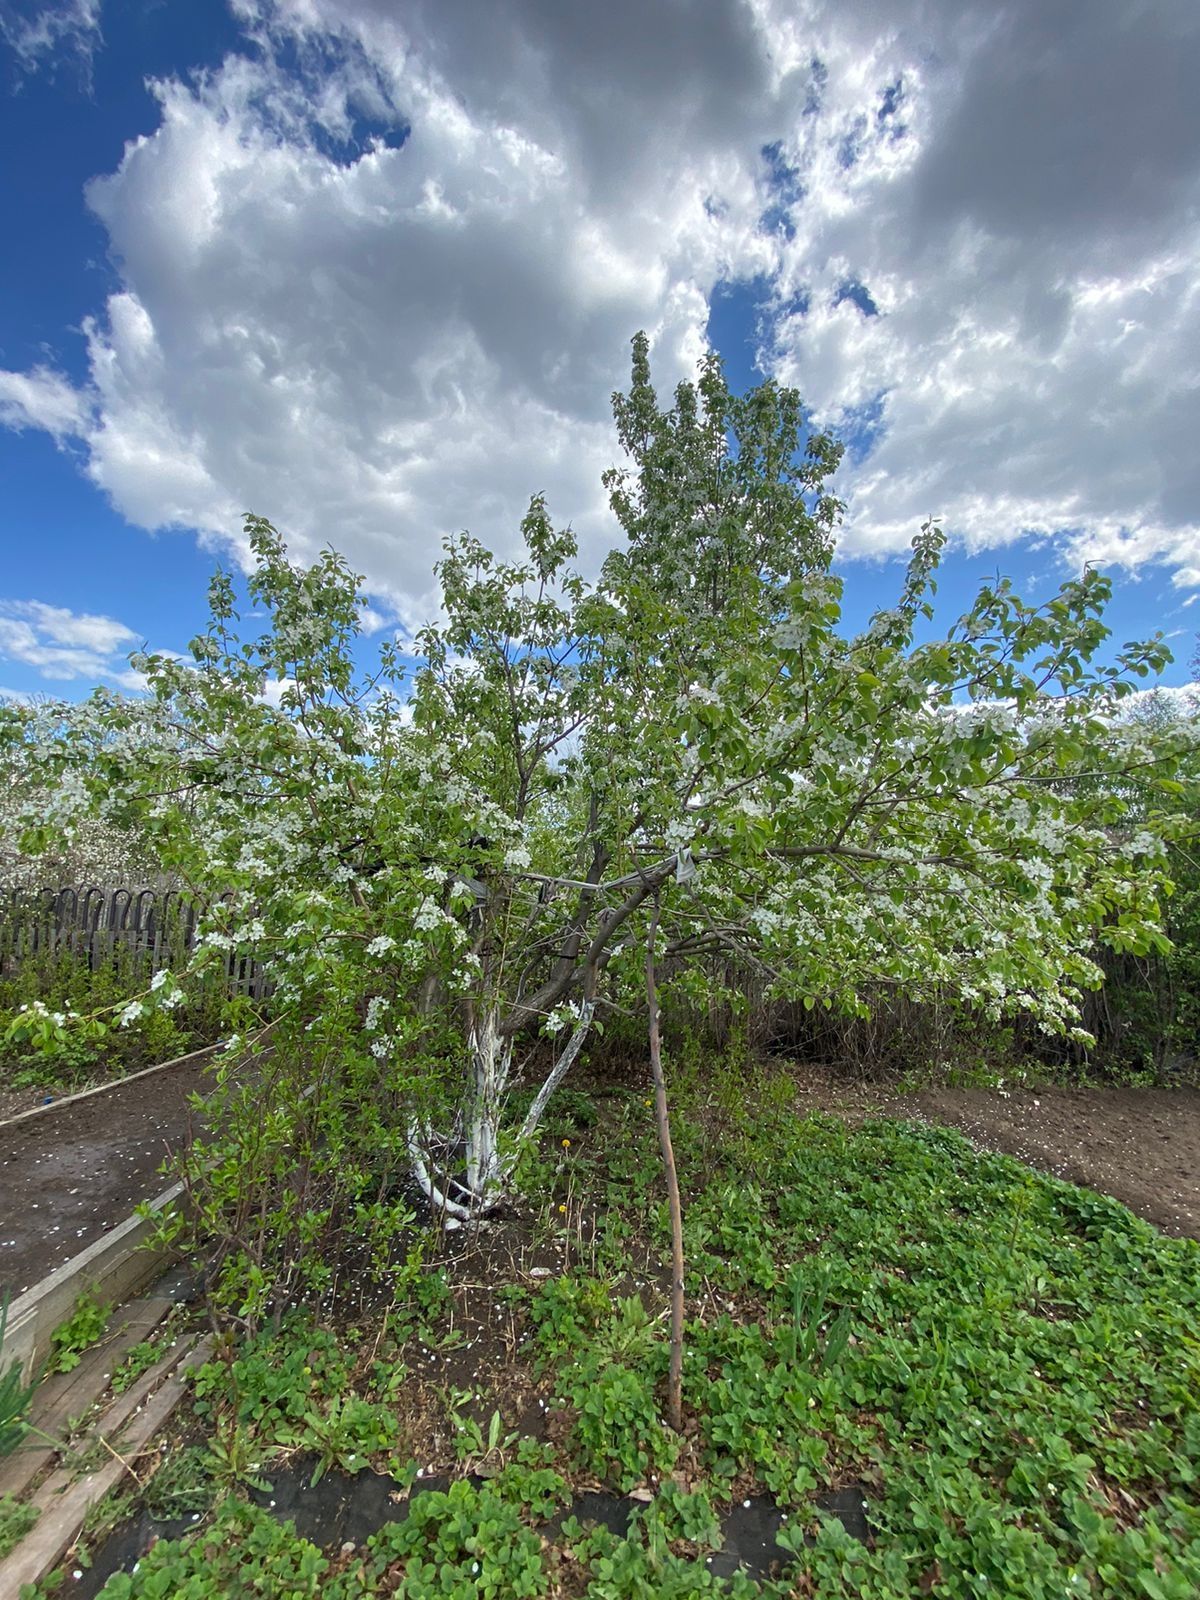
(1146, 1018)
(90, 851)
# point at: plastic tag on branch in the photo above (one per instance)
(685, 867)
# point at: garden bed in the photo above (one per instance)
(54, 1088)
(72, 1172)
(341, 1511)
(1142, 1146)
(911, 1369)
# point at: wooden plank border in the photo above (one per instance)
(114, 1268)
(64, 1501)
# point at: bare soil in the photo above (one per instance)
(71, 1173)
(32, 1096)
(1142, 1146)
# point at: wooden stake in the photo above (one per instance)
(675, 1371)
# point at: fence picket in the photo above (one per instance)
(93, 924)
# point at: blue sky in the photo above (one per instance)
(376, 279)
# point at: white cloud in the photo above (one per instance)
(65, 645)
(274, 690)
(1184, 695)
(39, 33)
(102, 634)
(1025, 220)
(42, 399)
(378, 346)
(385, 296)
(372, 620)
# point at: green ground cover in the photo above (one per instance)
(75, 1054)
(1007, 1366)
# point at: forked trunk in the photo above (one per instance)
(464, 1175)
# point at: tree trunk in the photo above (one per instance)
(560, 1069)
(675, 1371)
(473, 1175)
(491, 1063)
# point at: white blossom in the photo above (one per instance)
(429, 915)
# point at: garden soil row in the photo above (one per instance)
(72, 1173)
(1142, 1146)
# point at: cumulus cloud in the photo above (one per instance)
(1178, 698)
(65, 645)
(1022, 203)
(381, 340)
(274, 690)
(378, 274)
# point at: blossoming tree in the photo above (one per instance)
(454, 860)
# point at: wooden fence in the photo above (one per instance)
(150, 928)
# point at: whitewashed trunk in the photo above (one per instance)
(485, 1172)
(491, 1064)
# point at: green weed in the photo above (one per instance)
(297, 1391)
(15, 1395)
(1007, 1363)
(243, 1552)
(78, 1333)
(16, 1519)
(139, 1358)
(464, 1544)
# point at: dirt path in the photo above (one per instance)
(70, 1174)
(1141, 1146)
(16, 1102)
